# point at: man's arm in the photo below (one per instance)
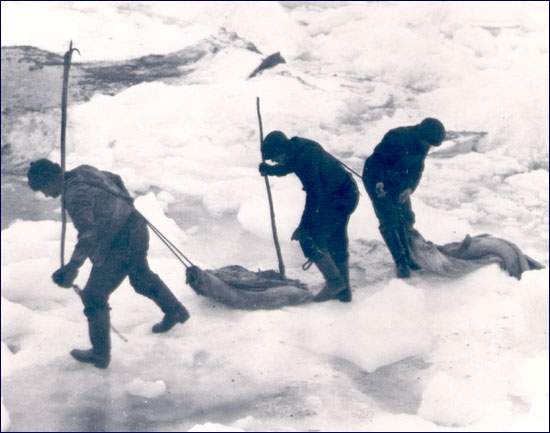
(393, 154)
(274, 170)
(410, 179)
(80, 205)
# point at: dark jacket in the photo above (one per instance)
(397, 161)
(99, 205)
(324, 179)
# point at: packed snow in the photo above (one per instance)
(425, 354)
(148, 389)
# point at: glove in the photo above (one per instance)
(264, 169)
(380, 193)
(65, 275)
(405, 195)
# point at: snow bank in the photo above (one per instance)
(175, 26)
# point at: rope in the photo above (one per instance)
(351, 170)
(173, 249)
(125, 197)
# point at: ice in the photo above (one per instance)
(454, 402)
(209, 426)
(5, 417)
(531, 379)
(426, 354)
(361, 334)
(147, 389)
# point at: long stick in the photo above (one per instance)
(64, 97)
(270, 199)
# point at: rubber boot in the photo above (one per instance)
(171, 317)
(335, 284)
(343, 267)
(391, 237)
(100, 337)
(151, 286)
(405, 239)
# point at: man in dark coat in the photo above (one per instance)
(114, 236)
(331, 198)
(391, 174)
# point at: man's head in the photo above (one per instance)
(45, 176)
(431, 131)
(275, 147)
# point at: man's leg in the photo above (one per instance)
(324, 262)
(407, 220)
(338, 243)
(147, 283)
(314, 247)
(391, 237)
(338, 247)
(102, 282)
(389, 216)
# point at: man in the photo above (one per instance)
(331, 197)
(114, 236)
(391, 174)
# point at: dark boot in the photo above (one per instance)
(175, 315)
(335, 284)
(405, 238)
(100, 337)
(343, 267)
(391, 237)
(149, 284)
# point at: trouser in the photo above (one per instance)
(396, 219)
(329, 235)
(127, 257)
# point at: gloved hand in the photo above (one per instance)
(264, 169)
(65, 275)
(380, 192)
(405, 195)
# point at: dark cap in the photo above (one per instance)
(275, 143)
(432, 130)
(41, 172)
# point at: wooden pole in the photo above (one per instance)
(270, 199)
(64, 97)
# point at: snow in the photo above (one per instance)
(147, 389)
(424, 354)
(5, 417)
(211, 427)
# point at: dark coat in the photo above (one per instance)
(99, 205)
(326, 182)
(397, 161)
